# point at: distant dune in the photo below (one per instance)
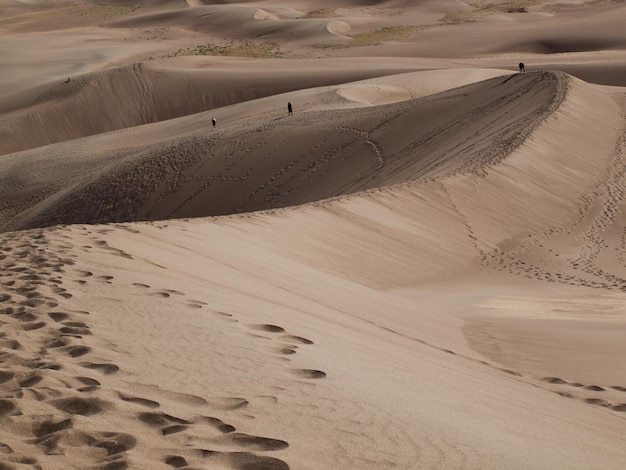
(141, 94)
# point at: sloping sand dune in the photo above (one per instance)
(273, 282)
(140, 94)
(210, 174)
(423, 267)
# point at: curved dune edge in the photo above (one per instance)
(251, 163)
(143, 93)
(338, 28)
(464, 218)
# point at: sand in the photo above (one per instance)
(423, 267)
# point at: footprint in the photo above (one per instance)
(173, 292)
(6, 408)
(25, 316)
(33, 326)
(140, 401)
(271, 399)
(48, 443)
(49, 427)
(160, 419)
(56, 343)
(115, 443)
(58, 316)
(286, 350)
(298, 339)
(553, 380)
(80, 406)
(309, 373)
(227, 317)
(105, 368)
(269, 328)
(596, 401)
(160, 294)
(223, 314)
(88, 381)
(77, 351)
(30, 381)
(228, 404)
(219, 425)
(75, 330)
(173, 429)
(243, 460)
(5, 376)
(10, 344)
(175, 461)
(254, 443)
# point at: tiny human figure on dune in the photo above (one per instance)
(289, 109)
(521, 66)
(214, 121)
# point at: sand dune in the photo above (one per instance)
(422, 267)
(199, 174)
(141, 94)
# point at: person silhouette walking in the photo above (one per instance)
(214, 121)
(289, 109)
(521, 66)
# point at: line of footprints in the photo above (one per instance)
(44, 396)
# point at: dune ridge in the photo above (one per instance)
(134, 95)
(195, 175)
(462, 210)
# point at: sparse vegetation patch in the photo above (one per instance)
(255, 49)
(104, 12)
(389, 33)
(70, 17)
(379, 36)
(483, 9)
(321, 13)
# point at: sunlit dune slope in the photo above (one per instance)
(262, 163)
(141, 94)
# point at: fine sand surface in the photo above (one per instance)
(423, 267)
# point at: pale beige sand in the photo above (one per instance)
(423, 267)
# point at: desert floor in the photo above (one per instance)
(424, 266)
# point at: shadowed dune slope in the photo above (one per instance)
(603, 26)
(289, 160)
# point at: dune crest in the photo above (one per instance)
(191, 174)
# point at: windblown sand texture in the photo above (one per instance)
(424, 267)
